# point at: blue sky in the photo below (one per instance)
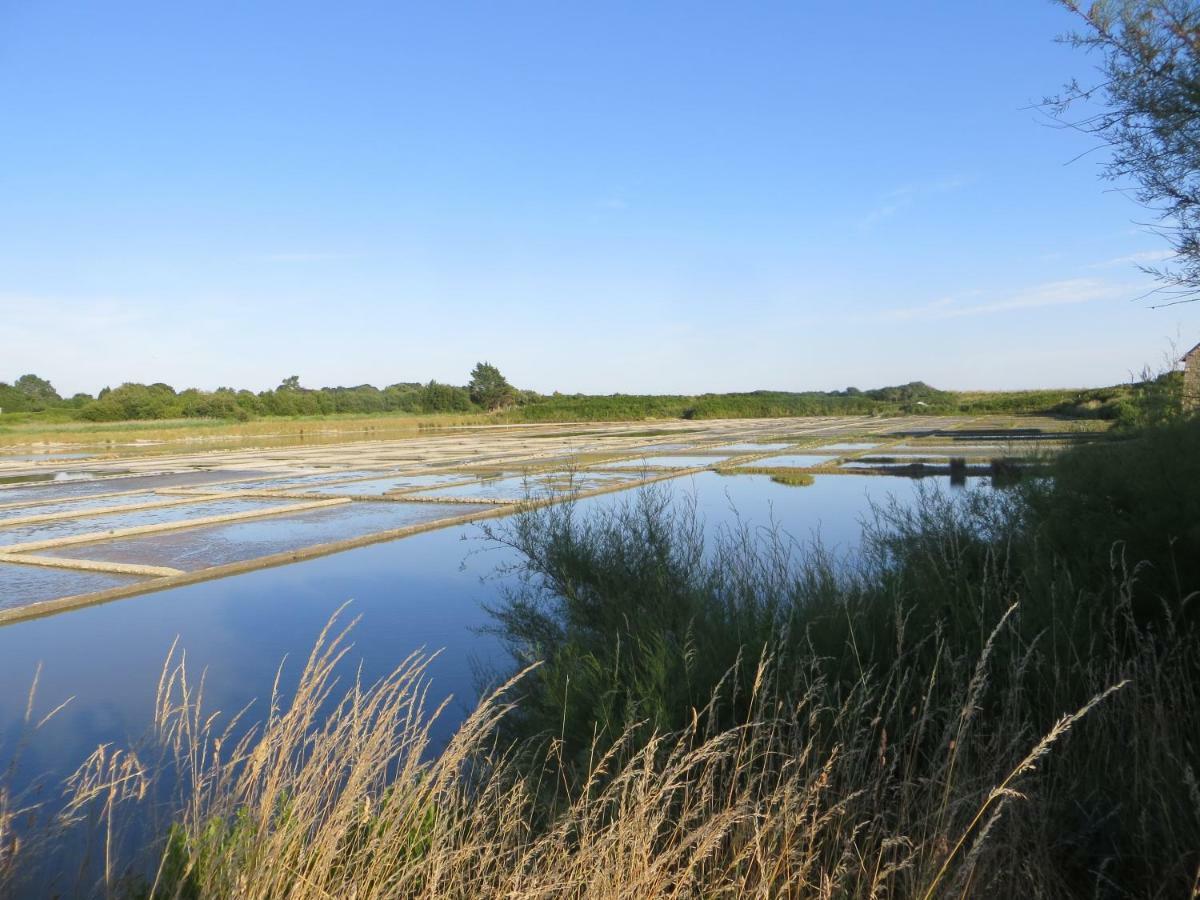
(674, 197)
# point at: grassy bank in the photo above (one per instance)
(999, 697)
(64, 426)
(29, 428)
(778, 404)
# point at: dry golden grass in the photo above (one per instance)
(341, 795)
(217, 431)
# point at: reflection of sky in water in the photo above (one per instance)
(793, 459)
(29, 584)
(421, 591)
(519, 487)
(378, 486)
(898, 464)
(86, 488)
(214, 545)
(833, 507)
(673, 462)
(81, 504)
(304, 480)
(59, 528)
(849, 445)
(751, 448)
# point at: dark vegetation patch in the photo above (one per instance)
(31, 399)
(641, 621)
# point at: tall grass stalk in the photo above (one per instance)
(339, 793)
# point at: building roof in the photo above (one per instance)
(1195, 351)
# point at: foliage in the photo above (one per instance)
(437, 397)
(12, 400)
(637, 619)
(1150, 118)
(913, 393)
(29, 393)
(1137, 499)
(38, 390)
(1130, 405)
(160, 401)
(489, 388)
(134, 401)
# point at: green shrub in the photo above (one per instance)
(639, 621)
(1133, 503)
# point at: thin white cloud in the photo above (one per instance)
(303, 257)
(879, 213)
(1145, 258)
(904, 196)
(1054, 293)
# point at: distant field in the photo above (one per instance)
(30, 429)
(62, 426)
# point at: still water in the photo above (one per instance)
(424, 591)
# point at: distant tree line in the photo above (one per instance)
(489, 391)
(31, 393)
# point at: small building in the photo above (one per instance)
(1191, 378)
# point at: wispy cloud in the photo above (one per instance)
(904, 196)
(1145, 258)
(302, 257)
(879, 213)
(1054, 293)
(612, 203)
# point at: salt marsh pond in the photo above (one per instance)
(244, 554)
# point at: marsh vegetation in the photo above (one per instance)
(34, 411)
(996, 695)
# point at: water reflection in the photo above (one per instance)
(422, 591)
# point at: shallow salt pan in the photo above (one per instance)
(521, 487)
(379, 486)
(752, 448)
(797, 460)
(297, 482)
(666, 462)
(22, 585)
(64, 489)
(213, 545)
(827, 448)
(80, 505)
(61, 528)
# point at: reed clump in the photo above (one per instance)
(341, 794)
(794, 479)
(784, 475)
